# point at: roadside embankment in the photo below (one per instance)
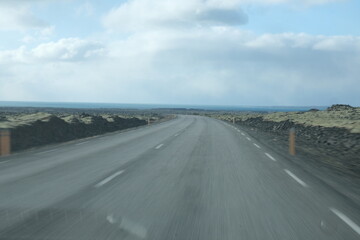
(30, 130)
(331, 136)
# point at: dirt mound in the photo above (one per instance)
(340, 107)
(335, 143)
(332, 136)
(29, 130)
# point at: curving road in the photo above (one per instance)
(189, 178)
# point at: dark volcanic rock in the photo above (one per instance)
(334, 142)
(57, 130)
(340, 107)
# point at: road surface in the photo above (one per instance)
(189, 178)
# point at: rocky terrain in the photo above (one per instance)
(331, 136)
(34, 127)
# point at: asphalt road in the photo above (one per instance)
(188, 178)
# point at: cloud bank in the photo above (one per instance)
(217, 66)
(144, 14)
(188, 52)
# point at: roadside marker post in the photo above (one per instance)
(292, 141)
(4, 142)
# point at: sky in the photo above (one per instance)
(202, 52)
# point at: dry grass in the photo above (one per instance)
(349, 119)
(15, 120)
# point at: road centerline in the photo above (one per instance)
(159, 146)
(108, 179)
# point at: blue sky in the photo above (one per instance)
(335, 18)
(223, 52)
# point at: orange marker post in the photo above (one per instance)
(4, 142)
(292, 141)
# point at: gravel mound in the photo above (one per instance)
(30, 130)
(331, 136)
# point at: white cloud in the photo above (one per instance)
(19, 55)
(18, 18)
(40, 35)
(338, 43)
(302, 40)
(268, 2)
(28, 39)
(86, 9)
(142, 14)
(218, 65)
(68, 49)
(185, 52)
(48, 31)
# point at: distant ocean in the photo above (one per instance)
(154, 106)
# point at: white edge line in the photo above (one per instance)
(256, 145)
(347, 220)
(271, 157)
(295, 178)
(159, 146)
(108, 179)
(82, 143)
(46, 151)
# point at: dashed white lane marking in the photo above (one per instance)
(347, 220)
(108, 179)
(81, 143)
(243, 134)
(248, 138)
(295, 178)
(238, 130)
(53, 150)
(110, 219)
(256, 145)
(129, 226)
(271, 157)
(159, 146)
(4, 161)
(176, 135)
